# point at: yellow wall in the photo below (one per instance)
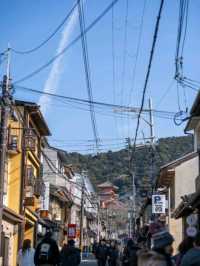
(15, 249)
(176, 229)
(30, 231)
(14, 171)
(14, 182)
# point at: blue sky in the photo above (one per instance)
(25, 23)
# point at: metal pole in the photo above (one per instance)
(98, 222)
(169, 207)
(152, 136)
(5, 111)
(134, 205)
(151, 121)
(82, 215)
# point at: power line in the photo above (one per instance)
(113, 67)
(147, 76)
(103, 104)
(137, 51)
(87, 71)
(72, 43)
(181, 37)
(34, 49)
(134, 70)
(165, 93)
(124, 50)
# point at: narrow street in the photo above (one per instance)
(99, 133)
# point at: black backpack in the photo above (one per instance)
(44, 254)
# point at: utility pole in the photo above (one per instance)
(152, 137)
(5, 112)
(98, 221)
(151, 121)
(82, 214)
(133, 205)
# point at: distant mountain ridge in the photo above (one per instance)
(114, 165)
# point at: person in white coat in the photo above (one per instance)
(26, 254)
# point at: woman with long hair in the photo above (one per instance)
(26, 254)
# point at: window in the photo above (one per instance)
(30, 140)
(39, 187)
(13, 143)
(30, 177)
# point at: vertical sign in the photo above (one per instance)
(46, 197)
(158, 203)
(71, 231)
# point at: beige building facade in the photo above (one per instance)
(178, 178)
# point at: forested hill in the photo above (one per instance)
(113, 165)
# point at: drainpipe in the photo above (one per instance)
(169, 207)
(23, 175)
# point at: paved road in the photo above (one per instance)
(89, 262)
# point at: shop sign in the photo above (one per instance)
(71, 230)
(192, 219)
(158, 203)
(191, 231)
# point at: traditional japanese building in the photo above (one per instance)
(23, 185)
(107, 192)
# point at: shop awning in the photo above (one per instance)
(12, 216)
(187, 205)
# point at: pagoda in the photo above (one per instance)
(107, 193)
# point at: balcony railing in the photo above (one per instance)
(39, 187)
(30, 140)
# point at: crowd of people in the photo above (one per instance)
(135, 252)
(139, 253)
(47, 253)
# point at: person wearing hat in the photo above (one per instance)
(161, 252)
(192, 256)
(70, 255)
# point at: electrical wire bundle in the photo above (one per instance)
(100, 107)
(87, 71)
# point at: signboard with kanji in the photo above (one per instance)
(71, 231)
(158, 203)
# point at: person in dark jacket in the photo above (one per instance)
(47, 252)
(183, 248)
(70, 255)
(94, 247)
(129, 257)
(102, 253)
(192, 257)
(113, 254)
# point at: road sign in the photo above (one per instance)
(71, 231)
(192, 219)
(158, 203)
(191, 231)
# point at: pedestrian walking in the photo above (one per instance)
(161, 253)
(102, 253)
(183, 248)
(129, 257)
(47, 252)
(70, 255)
(26, 254)
(113, 254)
(192, 256)
(94, 247)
